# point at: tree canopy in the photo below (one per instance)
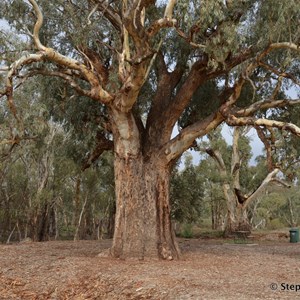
(141, 51)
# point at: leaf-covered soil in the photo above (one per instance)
(209, 269)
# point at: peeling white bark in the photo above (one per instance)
(126, 134)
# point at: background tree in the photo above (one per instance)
(39, 176)
(214, 200)
(239, 183)
(141, 62)
(187, 192)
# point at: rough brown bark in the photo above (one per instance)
(143, 227)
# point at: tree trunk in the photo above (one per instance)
(43, 223)
(143, 227)
(237, 220)
(111, 221)
(76, 201)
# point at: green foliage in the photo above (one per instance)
(273, 15)
(279, 209)
(40, 172)
(187, 231)
(276, 224)
(204, 102)
(187, 193)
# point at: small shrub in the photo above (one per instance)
(210, 234)
(187, 231)
(275, 224)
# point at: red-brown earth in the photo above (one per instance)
(208, 269)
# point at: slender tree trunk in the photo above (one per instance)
(111, 222)
(76, 235)
(292, 220)
(43, 223)
(143, 226)
(76, 201)
(10, 235)
(56, 223)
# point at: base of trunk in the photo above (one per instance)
(143, 227)
(237, 226)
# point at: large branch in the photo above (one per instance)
(14, 70)
(197, 76)
(37, 26)
(285, 45)
(264, 104)
(186, 137)
(137, 59)
(184, 140)
(50, 54)
(234, 121)
(135, 56)
(17, 65)
(269, 178)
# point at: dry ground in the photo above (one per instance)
(209, 269)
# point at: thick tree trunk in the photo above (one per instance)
(143, 227)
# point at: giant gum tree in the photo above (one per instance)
(142, 61)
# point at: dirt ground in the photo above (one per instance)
(269, 268)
